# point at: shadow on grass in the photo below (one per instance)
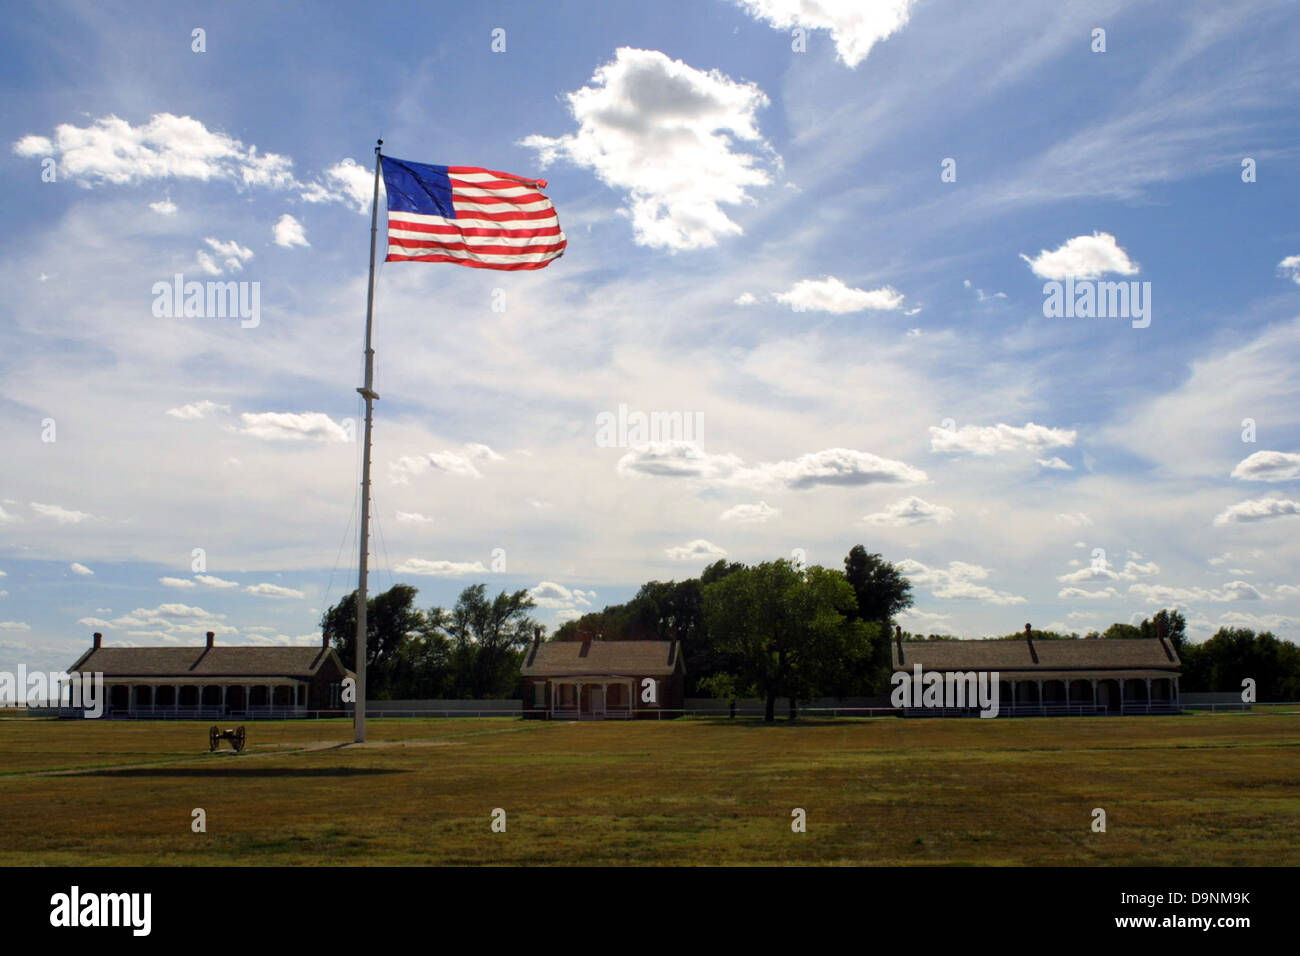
(250, 772)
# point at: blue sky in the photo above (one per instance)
(760, 237)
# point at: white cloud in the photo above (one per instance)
(745, 298)
(14, 626)
(167, 147)
(910, 511)
(277, 426)
(665, 133)
(1076, 520)
(956, 582)
(1093, 572)
(981, 295)
(926, 618)
(60, 514)
(1106, 594)
(272, 590)
(1166, 594)
(176, 583)
(557, 597)
(164, 207)
(197, 410)
(232, 255)
(991, 439)
(1134, 570)
(211, 581)
(1084, 257)
(288, 232)
(750, 514)
(1290, 267)
(1269, 466)
(677, 459)
(444, 569)
(1054, 464)
(413, 517)
(832, 295)
(453, 463)
(81, 569)
(855, 25)
(6, 516)
(1257, 621)
(1257, 509)
(692, 550)
(347, 182)
(832, 466)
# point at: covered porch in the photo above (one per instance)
(591, 698)
(234, 697)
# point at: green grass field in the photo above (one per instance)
(1189, 790)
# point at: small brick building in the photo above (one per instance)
(209, 681)
(602, 679)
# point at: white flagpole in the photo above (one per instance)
(368, 393)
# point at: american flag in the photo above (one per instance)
(471, 216)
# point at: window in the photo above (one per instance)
(539, 694)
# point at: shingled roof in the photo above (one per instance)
(603, 658)
(1071, 654)
(201, 661)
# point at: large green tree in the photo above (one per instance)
(790, 632)
(880, 591)
(486, 638)
(391, 620)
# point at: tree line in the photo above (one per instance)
(773, 630)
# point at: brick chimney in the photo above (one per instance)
(898, 639)
(99, 640)
(1029, 636)
(324, 640)
(211, 637)
(537, 635)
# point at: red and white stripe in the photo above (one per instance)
(502, 222)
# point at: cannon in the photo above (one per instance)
(236, 738)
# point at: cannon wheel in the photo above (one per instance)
(214, 738)
(239, 739)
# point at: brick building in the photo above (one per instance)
(210, 681)
(602, 679)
